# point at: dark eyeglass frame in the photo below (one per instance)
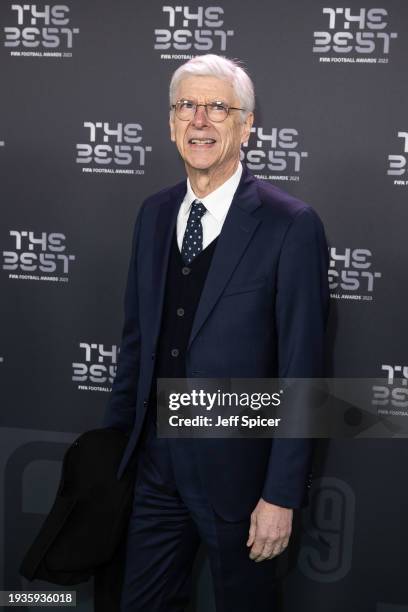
(196, 105)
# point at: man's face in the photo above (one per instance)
(206, 145)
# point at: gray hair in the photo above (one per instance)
(222, 68)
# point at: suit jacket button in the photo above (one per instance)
(175, 352)
(185, 270)
(145, 403)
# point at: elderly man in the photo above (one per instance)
(227, 278)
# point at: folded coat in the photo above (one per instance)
(84, 533)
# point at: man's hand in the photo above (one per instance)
(269, 531)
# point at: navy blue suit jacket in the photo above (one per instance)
(262, 313)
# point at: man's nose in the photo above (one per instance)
(200, 118)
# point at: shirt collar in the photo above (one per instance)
(217, 202)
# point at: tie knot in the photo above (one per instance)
(197, 210)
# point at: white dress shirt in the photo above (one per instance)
(217, 204)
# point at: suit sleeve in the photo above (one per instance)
(120, 411)
(301, 314)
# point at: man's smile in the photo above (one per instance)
(201, 142)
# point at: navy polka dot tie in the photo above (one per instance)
(193, 236)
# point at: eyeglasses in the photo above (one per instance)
(216, 111)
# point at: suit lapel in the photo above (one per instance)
(163, 235)
(237, 231)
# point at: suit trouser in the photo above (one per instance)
(170, 516)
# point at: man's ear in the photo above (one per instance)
(172, 127)
(246, 128)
